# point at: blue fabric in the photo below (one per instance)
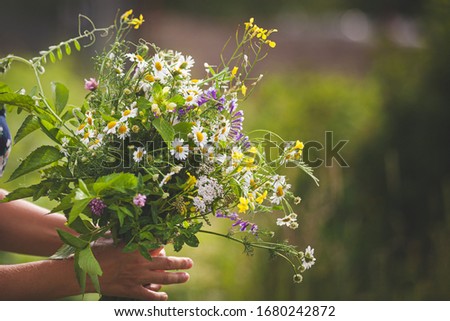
(5, 141)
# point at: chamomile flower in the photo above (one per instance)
(279, 192)
(123, 130)
(191, 95)
(199, 135)
(308, 259)
(87, 135)
(80, 129)
(289, 221)
(141, 63)
(166, 179)
(223, 130)
(139, 154)
(179, 151)
(97, 142)
(159, 68)
(129, 112)
(183, 65)
(89, 118)
(111, 127)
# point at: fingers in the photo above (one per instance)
(170, 263)
(163, 277)
(147, 294)
(153, 287)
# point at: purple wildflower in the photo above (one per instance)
(220, 214)
(139, 200)
(220, 105)
(210, 93)
(236, 125)
(90, 84)
(243, 225)
(254, 229)
(97, 206)
(232, 105)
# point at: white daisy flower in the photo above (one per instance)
(200, 137)
(111, 127)
(184, 65)
(123, 130)
(159, 67)
(224, 130)
(309, 259)
(191, 94)
(89, 119)
(129, 112)
(138, 154)
(166, 179)
(97, 142)
(179, 151)
(279, 192)
(87, 135)
(80, 129)
(289, 220)
(141, 63)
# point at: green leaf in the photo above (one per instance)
(89, 264)
(165, 129)
(60, 96)
(29, 125)
(192, 241)
(59, 53)
(13, 99)
(121, 213)
(65, 204)
(39, 158)
(117, 181)
(72, 240)
(19, 193)
(68, 49)
(53, 132)
(82, 224)
(78, 206)
(77, 45)
(63, 252)
(4, 88)
(177, 99)
(183, 129)
(52, 57)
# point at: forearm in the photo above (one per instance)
(28, 228)
(43, 280)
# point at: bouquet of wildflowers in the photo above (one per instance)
(154, 155)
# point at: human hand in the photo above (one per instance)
(131, 275)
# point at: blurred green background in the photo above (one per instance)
(374, 73)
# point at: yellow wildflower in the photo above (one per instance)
(137, 22)
(253, 150)
(261, 197)
(234, 71)
(244, 89)
(298, 145)
(191, 181)
(249, 24)
(243, 204)
(126, 15)
(272, 44)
